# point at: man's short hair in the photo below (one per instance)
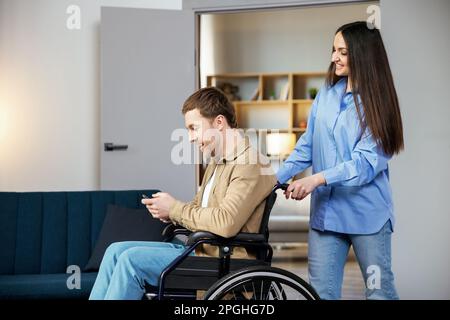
(211, 102)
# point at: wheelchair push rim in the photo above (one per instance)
(261, 283)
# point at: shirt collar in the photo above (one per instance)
(238, 150)
(340, 86)
(340, 89)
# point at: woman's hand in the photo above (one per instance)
(299, 189)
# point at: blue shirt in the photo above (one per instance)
(357, 197)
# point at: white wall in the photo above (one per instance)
(49, 93)
(293, 40)
(416, 38)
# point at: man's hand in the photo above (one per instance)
(299, 189)
(159, 205)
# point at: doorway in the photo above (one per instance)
(270, 62)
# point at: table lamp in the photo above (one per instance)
(280, 144)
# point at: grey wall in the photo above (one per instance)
(416, 38)
(50, 93)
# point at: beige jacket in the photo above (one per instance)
(236, 201)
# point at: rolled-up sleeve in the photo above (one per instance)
(301, 158)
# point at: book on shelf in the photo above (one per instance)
(255, 95)
(284, 93)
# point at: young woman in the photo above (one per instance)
(353, 130)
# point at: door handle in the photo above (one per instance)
(111, 146)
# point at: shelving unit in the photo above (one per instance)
(271, 100)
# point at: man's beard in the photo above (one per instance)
(208, 155)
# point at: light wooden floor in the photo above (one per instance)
(293, 257)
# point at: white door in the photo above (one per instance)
(147, 71)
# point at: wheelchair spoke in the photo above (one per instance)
(283, 293)
(262, 290)
(269, 291)
(272, 284)
(246, 293)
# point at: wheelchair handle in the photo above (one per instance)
(282, 186)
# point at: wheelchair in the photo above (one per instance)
(224, 278)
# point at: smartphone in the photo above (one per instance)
(145, 196)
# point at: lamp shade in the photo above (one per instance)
(280, 143)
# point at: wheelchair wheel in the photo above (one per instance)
(261, 283)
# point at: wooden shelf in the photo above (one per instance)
(303, 101)
(286, 113)
(234, 75)
(273, 130)
(262, 102)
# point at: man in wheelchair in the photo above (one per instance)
(231, 200)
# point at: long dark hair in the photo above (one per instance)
(371, 79)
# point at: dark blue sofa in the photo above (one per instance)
(42, 233)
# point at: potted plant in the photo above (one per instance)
(312, 93)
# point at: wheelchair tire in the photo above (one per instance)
(261, 283)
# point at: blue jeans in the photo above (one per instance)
(327, 254)
(127, 265)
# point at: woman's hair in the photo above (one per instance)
(211, 102)
(371, 79)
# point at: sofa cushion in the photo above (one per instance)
(124, 224)
(44, 286)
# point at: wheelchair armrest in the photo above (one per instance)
(195, 237)
(172, 230)
(249, 237)
(215, 239)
